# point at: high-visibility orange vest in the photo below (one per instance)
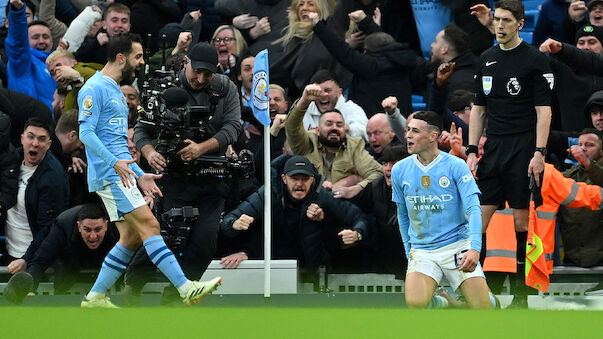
(556, 190)
(501, 243)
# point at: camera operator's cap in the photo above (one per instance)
(592, 3)
(298, 164)
(203, 55)
(590, 30)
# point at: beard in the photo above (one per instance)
(128, 74)
(330, 143)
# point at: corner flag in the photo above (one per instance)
(260, 88)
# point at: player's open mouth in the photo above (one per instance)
(33, 154)
(299, 189)
(410, 143)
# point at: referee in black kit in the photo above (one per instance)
(514, 85)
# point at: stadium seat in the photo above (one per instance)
(526, 36)
(531, 18)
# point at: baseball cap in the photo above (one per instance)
(203, 55)
(592, 3)
(590, 30)
(298, 164)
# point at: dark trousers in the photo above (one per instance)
(198, 249)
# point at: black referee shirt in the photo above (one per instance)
(510, 83)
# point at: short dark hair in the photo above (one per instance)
(323, 75)
(332, 110)
(432, 119)
(121, 43)
(377, 40)
(116, 7)
(457, 38)
(68, 122)
(37, 122)
(459, 99)
(595, 132)
(516, 7)
(91, 211)
(38, 22)
(394, 151)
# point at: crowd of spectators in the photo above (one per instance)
(342, 76)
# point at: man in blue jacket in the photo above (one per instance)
(27, 47)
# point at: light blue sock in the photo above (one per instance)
(438, 302)
(113, 267)
(165, 260)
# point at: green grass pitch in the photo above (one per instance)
(288, 322)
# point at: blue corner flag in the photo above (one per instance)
(260, 88)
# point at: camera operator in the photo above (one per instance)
(219, 96)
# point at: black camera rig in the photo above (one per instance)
(165, 107)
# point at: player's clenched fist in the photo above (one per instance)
(243, 223)
(314, 212)
(389, 104)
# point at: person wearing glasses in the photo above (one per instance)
(231, 48)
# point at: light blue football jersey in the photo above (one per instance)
(434, 199)
(103, 119)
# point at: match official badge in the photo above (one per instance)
(88, 102)
(513, 86)
(425, 181)
(444, 182)
(487, 84)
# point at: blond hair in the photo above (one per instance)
(239, 40)
(59, 53)
(303, 30)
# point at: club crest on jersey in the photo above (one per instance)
(513, 86)
(444, 182)
(425, 181)
(88, 102)
(550, 78)
(487, 84)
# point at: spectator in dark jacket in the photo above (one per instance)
(8, 168)
(248, 17)
(569, 101)
(581, 60)
(116, 19)
(386, 243)
(79, 239)
(381, 72)
(303, 53)
(303, 213)
(452, 45)
(211, 17)
(43, 193)
(550, 19)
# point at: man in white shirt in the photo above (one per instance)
(353, 115)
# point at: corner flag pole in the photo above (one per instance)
(260, 91)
